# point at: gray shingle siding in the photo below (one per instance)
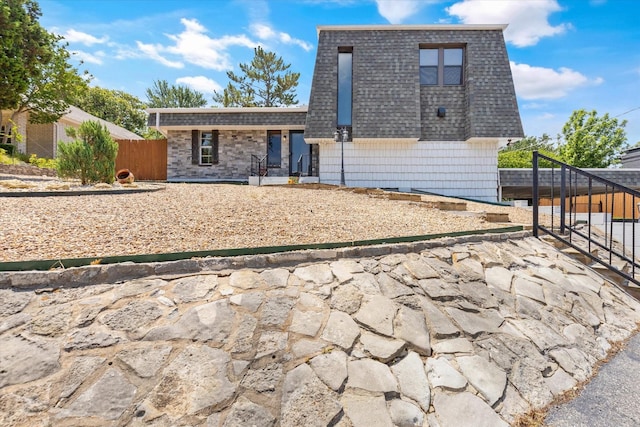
(266, 119)
(388, 100)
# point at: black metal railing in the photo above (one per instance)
(301, 166)
(259, 166)
(565, 184)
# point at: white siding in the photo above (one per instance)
(453, 168)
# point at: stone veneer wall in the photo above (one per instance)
(235, 151)
(452, 168)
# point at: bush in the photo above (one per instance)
(91, 157)
(42, 162)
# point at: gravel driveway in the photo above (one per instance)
(192, 217)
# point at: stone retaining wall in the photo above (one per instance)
(456, 332)
(26, 170)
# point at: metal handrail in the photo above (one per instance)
(571, 232)
(258, 167)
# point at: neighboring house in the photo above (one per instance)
(425, 107)
(42, 139)
(630, 158)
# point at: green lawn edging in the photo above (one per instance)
(43, 265)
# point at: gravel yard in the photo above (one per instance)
(193, 217)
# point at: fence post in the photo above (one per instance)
(535, 194)
(563, 197)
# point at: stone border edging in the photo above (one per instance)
(24, 169)
(77, 192)
(113, 273)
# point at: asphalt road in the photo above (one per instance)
(612, 398)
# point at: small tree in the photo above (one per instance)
(265, 82)
(91, 157)
(592, 141)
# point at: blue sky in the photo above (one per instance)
(565, 54)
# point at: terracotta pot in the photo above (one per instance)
(124, 176)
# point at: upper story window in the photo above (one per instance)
(345, 85)
(441, 66)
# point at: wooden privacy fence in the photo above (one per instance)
(624, 205)
(145, 158)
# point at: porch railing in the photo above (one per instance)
(259, 166)
(564, 183)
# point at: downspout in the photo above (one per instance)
(158, 121)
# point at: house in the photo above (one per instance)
(420, 108)
(220, 144)
(42, 139)
(630, 158)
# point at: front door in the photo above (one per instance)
(299, 155)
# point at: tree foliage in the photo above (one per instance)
(25, 44)
(592, 141)
(265, 82)
(519, 154)
(91, 157)
(35, 75)
(114, 106)
(164, 95)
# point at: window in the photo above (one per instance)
(204, 147)
(6, 129)
(274, 149)
(441, 66)
(345, 83)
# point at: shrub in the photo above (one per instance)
(91, 157)
(4, 158)
(42, 162)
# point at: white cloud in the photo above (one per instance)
(547, 83)
(196, 47)
(265, 32)
(73, 36)
(200, 83)
(153, 51)
(528, 20)
(92, 58)
(396, 11)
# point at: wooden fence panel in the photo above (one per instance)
(619, 205)
(145, 158)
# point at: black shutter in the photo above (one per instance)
(216, 137)
(195, 147)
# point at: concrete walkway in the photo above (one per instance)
(610, 399)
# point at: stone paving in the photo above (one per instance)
(456, 332)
